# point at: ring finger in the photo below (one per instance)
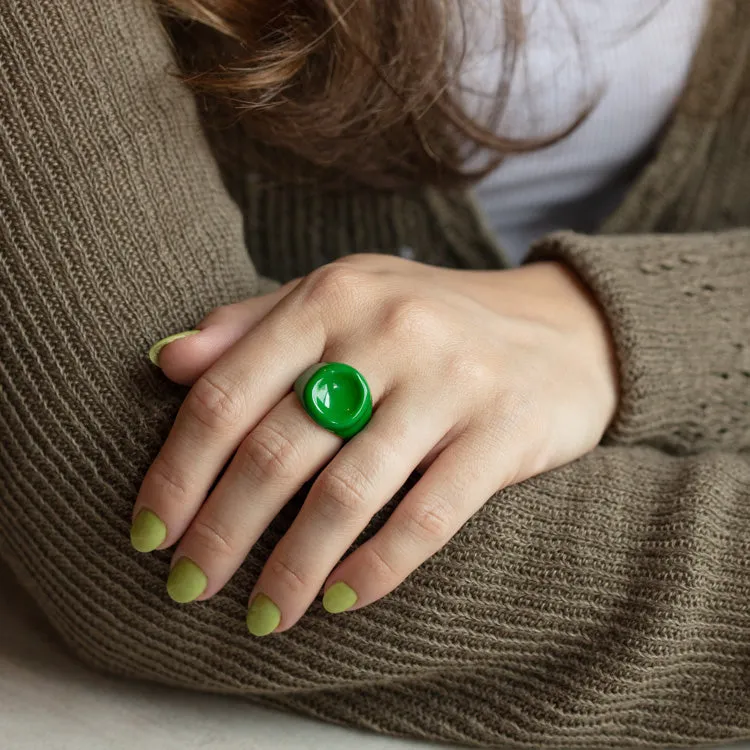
(359, 481)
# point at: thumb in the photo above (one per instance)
(186, 356)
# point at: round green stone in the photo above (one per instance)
(338, 398)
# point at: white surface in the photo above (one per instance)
(637, 52)
(50, 702)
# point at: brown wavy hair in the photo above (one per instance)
(365, 88)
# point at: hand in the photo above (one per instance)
(479, 380)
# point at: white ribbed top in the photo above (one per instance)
(638, 52)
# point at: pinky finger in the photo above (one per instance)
(454, 487)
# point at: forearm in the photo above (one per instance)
(115, 230)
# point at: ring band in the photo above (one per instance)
(336, 396)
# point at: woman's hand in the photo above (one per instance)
(479, 380)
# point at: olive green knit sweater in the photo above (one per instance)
(603, 604)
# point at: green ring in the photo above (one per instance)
(336, 396)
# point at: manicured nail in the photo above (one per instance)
(186, 581)
(339, 598)
(263, 617)
(147, 532)
(153, 352)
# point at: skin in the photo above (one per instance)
(479, 379)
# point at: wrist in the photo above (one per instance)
(566, 302)
(549, 292)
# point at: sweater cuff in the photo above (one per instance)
(678, 311)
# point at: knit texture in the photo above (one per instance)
(605, 604)
(685, 369)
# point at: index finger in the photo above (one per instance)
(223, 405)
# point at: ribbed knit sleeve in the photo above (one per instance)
(679, 310)
(115, 230)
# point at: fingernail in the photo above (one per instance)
(339, 598)
(153, 352)
(263, 617)
(186, 581)
(147, 532)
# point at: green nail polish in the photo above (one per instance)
(153, 352)
(263, 617)
(339, 598)
(147, 532)
(186, 581)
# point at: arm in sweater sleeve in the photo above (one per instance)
(679, 310)
(115, 230)
(605, 603)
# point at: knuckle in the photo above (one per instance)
(168, 481)
(430, 519)
(287, 574)
(377, 566)
(268, 454)
(471, 373)
(334, 283)
(414, 319)
(342, 493)
(214, 404)
(213, 536)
